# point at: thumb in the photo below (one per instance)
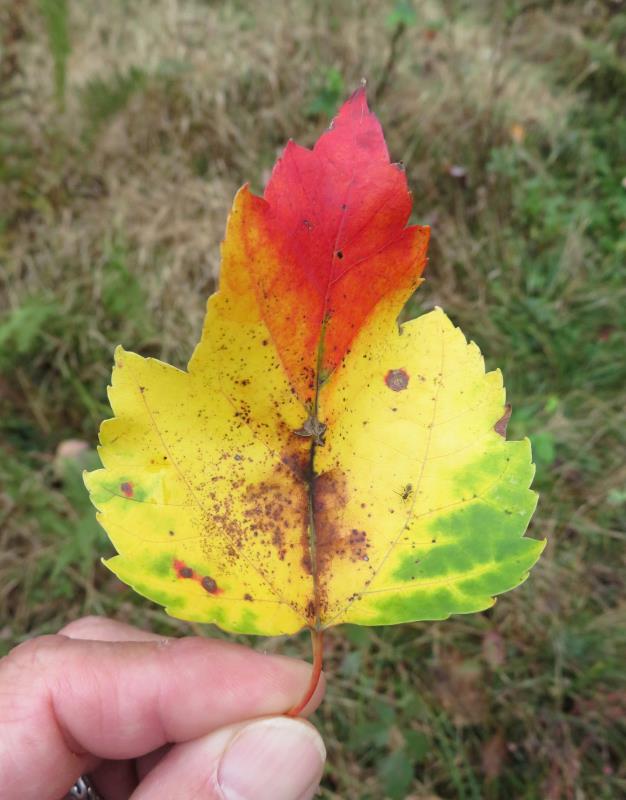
(275, 758)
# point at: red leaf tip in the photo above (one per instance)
(329, 242)
(354, 133)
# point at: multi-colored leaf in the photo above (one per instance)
(317, 463)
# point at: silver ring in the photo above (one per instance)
(83, 790)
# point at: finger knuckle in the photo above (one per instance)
(32, 655)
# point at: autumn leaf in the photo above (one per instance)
(317, 463)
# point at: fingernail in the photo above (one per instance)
(272, 759)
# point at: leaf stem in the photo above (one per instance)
(317, 640)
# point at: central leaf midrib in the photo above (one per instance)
(313, 476)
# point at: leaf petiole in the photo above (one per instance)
(317, 640)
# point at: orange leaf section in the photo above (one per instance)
(328, 241)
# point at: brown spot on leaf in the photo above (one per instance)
(397, 379)
(248, 597)
(181, 569)
(126, 489)
(187, 573)
(357, 537)
(209, 584)
(501, 424)
(308, 376)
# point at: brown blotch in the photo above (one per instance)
(397, 379)
(257, 523)
(248, 597)
(332, 540)
(275, 508)
(501, 424)
(278, 540)
(127, 489)
(298, 461)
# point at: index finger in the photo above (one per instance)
(62, 701)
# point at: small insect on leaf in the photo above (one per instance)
(314, 464)
(406, 492)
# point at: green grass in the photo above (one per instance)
(124, 133)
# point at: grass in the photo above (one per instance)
(125, 130)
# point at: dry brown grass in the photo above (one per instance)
(227, 86)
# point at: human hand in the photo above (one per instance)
(153, 718)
